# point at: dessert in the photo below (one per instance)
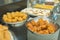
(4, 33)
(14, 17)
(41, 26)
(50, 7)
(36, 12)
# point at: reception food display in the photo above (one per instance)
(14, 17)
(33, 22)
(41, 26)
(36, 12)
(4, 33)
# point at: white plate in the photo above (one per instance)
(36, 12)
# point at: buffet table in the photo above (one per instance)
(19, 32)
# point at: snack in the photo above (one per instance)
(50, 7)
(41, 26)
(36, 12)
(4, 33)
(14, 17)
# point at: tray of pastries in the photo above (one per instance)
(6, 34)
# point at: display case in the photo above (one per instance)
(20, 33)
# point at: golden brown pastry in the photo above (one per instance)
(7, 35)
(4, 33)
(41, 26)
(14, 17)
(50, 7)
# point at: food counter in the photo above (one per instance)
(20, 33)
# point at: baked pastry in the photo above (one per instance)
(4, 33)
(41, 26)
(14, 17)
(49, 7)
